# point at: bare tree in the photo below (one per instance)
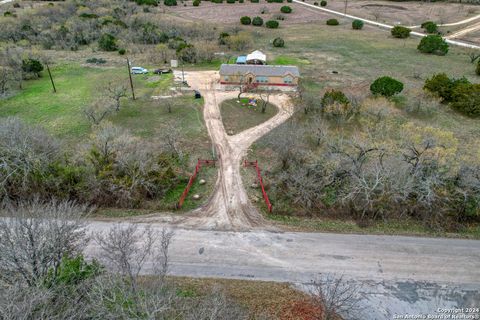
(98, 111)
(335, 296)
(115, 92)
(171, 139)
(36, 236)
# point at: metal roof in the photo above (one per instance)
(258, 70)
(242, 59)
(257, 55)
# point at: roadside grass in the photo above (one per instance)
(287, 60)
(264, 300)
(238, 116)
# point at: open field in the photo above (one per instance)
(238, 117)
(410, 13)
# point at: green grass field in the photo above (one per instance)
(239, 116)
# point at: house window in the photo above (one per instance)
(288, 80)
(260, 79)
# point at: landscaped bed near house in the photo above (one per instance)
(239, 115)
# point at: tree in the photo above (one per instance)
(400, 32)
(286, 9)
(163, 51)
(433, 44)
(32, 66)
(245, 20)
(443, 86)
(430, 27)
(115, 92)
(36, 237)
(98, 110)
(323, 3)
(466, 99)
(332, 22)
(170, 3)
(386, 86)
(257, 21)
(278, 42)
(272, 24)
(107, 42)
(477, 71)
(357, 24)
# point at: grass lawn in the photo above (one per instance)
(239, 116)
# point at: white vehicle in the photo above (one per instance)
(139, 70)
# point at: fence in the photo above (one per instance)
(192, 179)
(260, 180)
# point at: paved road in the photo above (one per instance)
(382, 25)
(399, 274)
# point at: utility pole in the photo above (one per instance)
(51, 79)
(130, 77)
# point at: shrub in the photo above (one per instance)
(107, 42)
(433, 44)
(478, 68)
(32, 66)
(272, 24)
(122, 51)
(230, 1)
(286, 9)
(334, 96)
(96, 60)
(466, 99)
(196, 3)
(278, 42)
(357, 24)
(315, 3)
(400, 32)
(254, 1)
(170, 3)
(332, 22)
(430, 27)
(289, 1)
(443, 86)
(279, 17)
(323, 3)
(257, 21)
(245, 20)
(386, 86)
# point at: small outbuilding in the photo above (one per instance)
(264, 76)
(256, 57)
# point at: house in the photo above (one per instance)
(256, 57)
(263, 76)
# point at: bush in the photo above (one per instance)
(278, 42)
(272, 24)
(334, 96)
(245, 20)
(254, 1)
(122, 51)
(443, 86)
(32, 66)
(107, 42)
(289, 1)
(286, 9)
(357, 24)
(478, 68)
(257, 21)
(466, 99)
(400, 32)
(230, 1)
(332, 22)
(323, 3)
(430, 27)
(433, 44)
(196, 3)
(170, 3)
(279, 17)
(315, 3)
(96, 60)
(386, 86)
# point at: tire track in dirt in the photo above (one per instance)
(229, 207)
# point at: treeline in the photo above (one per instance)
(113, 168)
(351, 158)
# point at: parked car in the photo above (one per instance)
(162, 71)
(139, 70)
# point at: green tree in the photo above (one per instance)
(272, 24)
(32, 66)
(466, 99)
(257, 21)
(107, 42)
(400, 32)
(430, 27)
(245, 20)
(433, 44)
(323, 3)
(170, 3)
(386, 86)
(357, 24)
(286, 9)
(332, 22)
